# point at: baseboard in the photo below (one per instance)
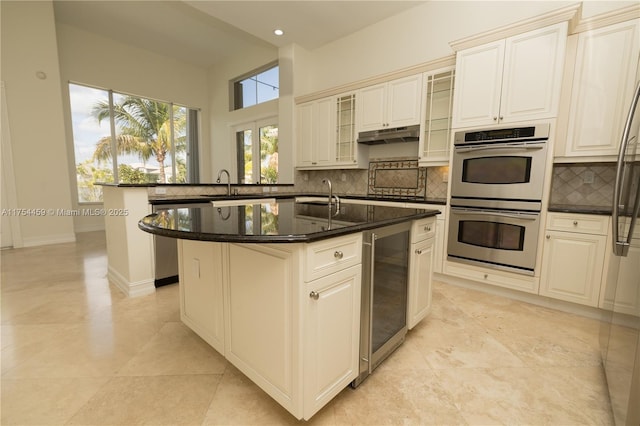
(131, 289)
(48, 240)
(159, 282)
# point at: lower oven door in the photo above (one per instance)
(504, 239)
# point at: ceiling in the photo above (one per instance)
(207, 32)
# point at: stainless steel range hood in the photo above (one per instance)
(395, 135)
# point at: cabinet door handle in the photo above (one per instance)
(575, 223)
(501, 118)
(495, 118)
(418, 251)
(314, 295)
(548, 237)
(338, 254)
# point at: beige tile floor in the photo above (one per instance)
(76, 351)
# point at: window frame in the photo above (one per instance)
(234, 94)
(193, 117)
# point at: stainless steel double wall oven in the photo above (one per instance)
(496, 196)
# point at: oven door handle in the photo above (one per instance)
(519, 216)
(511, 146)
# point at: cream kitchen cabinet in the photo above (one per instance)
(438, 256)
(315, 130)
(434, 145)
(326, 134)
(391, 104)
(510, 80)
(201, 300)
(420, 270)
(573, 257)
(331, 336)
(295, 331)
(604, 76)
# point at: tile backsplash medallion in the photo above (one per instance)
(583, 184)
(397, 179)
(387, 178)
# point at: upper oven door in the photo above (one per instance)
(510, 170)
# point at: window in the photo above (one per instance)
(153, 141)
(259, 86)
(257, 152)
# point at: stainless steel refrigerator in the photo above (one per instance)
(620, 331)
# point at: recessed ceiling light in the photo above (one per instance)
(278, 32)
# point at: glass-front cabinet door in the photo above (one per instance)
(436, 140)
(346, 128)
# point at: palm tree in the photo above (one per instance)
(269, 154)
(145, 129)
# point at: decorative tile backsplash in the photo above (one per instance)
(344, 182)
(398, 177)
(583, 184)
(437, 185)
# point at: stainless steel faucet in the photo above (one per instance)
(228, 180)
(331, 197)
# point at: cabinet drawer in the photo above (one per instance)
(328, 256)
(581, 223)
(493, 277)
(423, 229)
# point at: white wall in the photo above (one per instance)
(94, 60)
(36, 120)
(419, 35)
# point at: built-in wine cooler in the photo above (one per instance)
(385, 276)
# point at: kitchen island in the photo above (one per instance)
(275, 286)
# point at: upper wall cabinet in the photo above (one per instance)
(510, 80)
(314, 131)
(395, 103)
(436, 140)
(326, 134)
(604, 75)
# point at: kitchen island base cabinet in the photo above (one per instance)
(420, 281)
(201, 300)
(262, 324)
(421, 258)
(331, 336)
(297, 339)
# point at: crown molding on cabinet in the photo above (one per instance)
(570, 13)
(609, 18)
(448, 61)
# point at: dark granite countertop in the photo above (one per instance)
(572, 208)
(147, 185)
(284, 221)
(158, 200)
